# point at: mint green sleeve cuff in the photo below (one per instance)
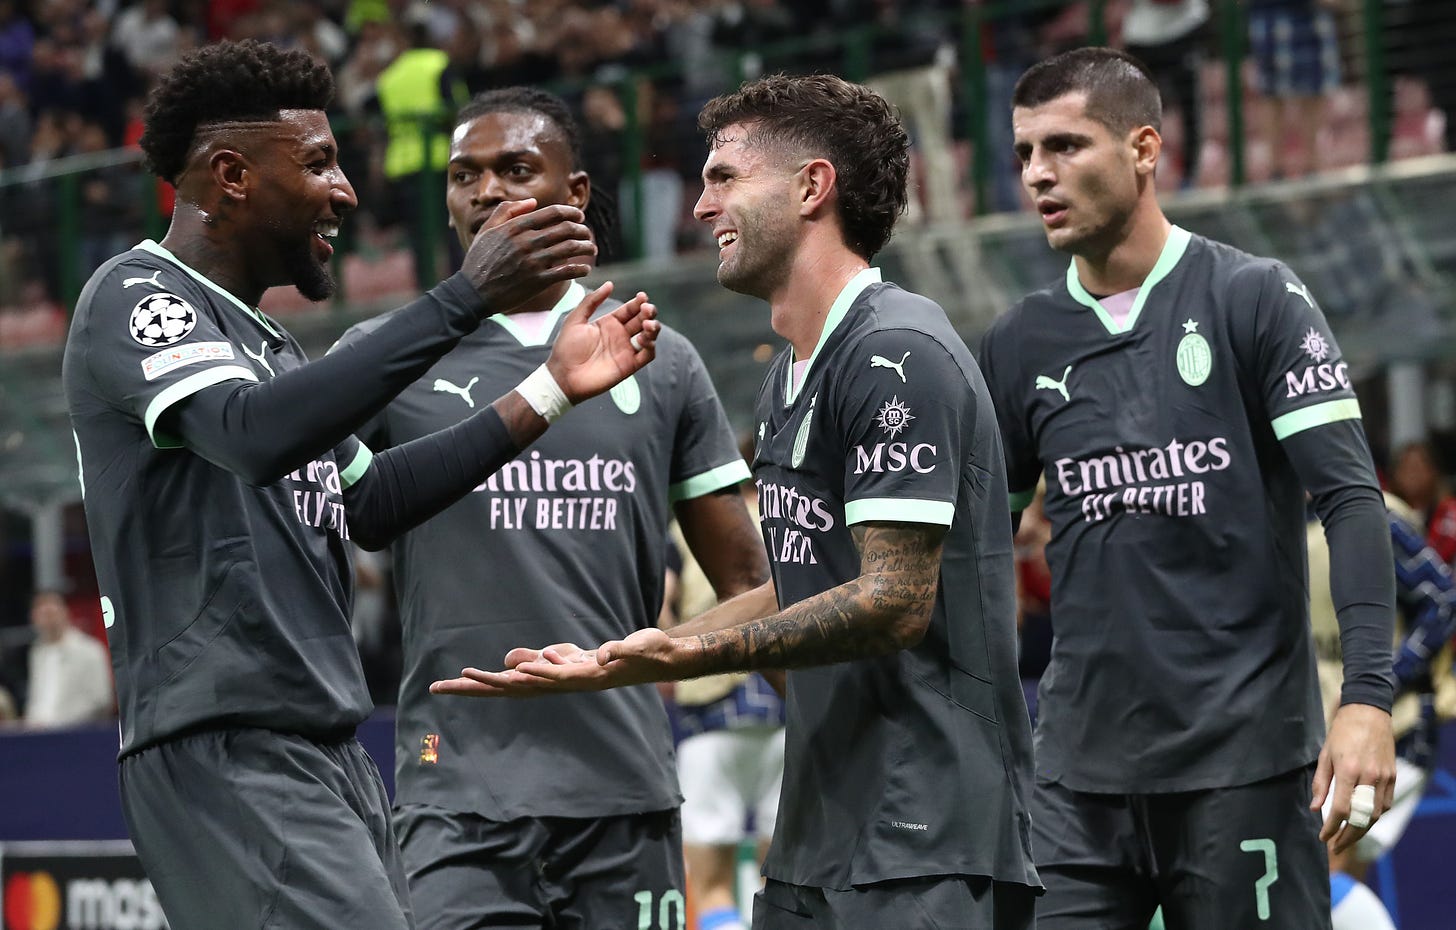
(1020, 500)
(899, 510)
(356, 469)
(1332, 411)
(188, 386)
(709, 481)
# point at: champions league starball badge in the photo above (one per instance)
(161, 319)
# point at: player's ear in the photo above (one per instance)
(814, 185)
(1147, 147)
(578, 186)
(232, 173)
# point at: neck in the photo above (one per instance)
(799, 306)
(212, 249)
(543, 300)
(1130, 259)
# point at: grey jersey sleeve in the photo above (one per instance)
(902, 420)
(146, 352)
(999, 363)
(1312, 409)
(705, 454)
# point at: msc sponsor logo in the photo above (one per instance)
(1317, 379)
(35, 901)
(895, 457)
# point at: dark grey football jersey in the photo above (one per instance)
(564, 544)
(917, 763)
(1182, 655)
(225, 604)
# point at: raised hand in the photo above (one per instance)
(592, 355)
(521, 250)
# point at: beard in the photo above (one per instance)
(314, 279)
(761, 257)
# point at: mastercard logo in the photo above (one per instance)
(32, 902)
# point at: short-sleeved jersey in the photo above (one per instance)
(225, 604)
(563, 544)
(916, 763)
(1182, 656)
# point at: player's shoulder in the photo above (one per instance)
(897, 322)
(131, 277)
(1025, 311)
(1237, 267)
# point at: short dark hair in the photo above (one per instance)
(828, 117)
(1122, 93)
(223, 83)
(601, 208)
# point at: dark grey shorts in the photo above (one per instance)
(608, 873)
(1247, 857)
(253, 829)
(939, 902)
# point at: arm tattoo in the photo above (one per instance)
(882, 611)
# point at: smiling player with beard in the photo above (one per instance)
(223, 483)
(907, 758)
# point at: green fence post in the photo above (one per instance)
(633, 145)
(857, 54)
(973, 79)
(68, 237)
(1231, 42)
(1097, 28)
(426, 233)
(1377, 82)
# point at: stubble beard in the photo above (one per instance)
(314, 279)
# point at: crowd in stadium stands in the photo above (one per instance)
(72, 73)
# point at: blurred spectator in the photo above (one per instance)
(148, 37)
(17, 41)
(110, 201)
(70, 672)
(14, 124)
(1168, 36)
(417, 93)
(911, 62)
(1418, 480)
(1298, 58)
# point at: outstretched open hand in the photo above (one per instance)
(644, 656)
(591, 356)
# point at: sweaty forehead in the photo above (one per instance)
(307, 127)
(510, 131)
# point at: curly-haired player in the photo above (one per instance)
(219, 464)
(907, 764)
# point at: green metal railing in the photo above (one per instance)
(851, 50)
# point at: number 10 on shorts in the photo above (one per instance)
(671, 912)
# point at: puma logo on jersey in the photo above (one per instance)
(462, 392)
(1302, 290)
(1045, 383)
(879, 361)
(260, 357)
(151, 280)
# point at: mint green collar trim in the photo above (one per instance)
(156, 248)
(1173, 250)
(837, 310)
(568, 301)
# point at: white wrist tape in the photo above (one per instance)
(544, 395)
